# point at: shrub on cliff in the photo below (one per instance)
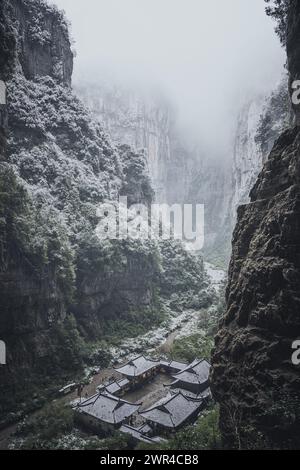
(190, 347)
(41, 430)
(36, 237)
(278, 10)
(182, 271)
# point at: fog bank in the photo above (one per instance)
(208, 57)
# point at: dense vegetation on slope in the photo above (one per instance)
(61, 287)
(276, 118)
(278, 10)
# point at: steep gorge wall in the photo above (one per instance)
(139, 119)
(61, 287)
(7, 45)
(180, 171)
(253, 377)
(34, 295)
(260, 123)
(58, 166)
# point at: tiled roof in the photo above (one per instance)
(205, 394)
(172, 411)
(174, 365)
(195, 373)
(114, 387)
(177, 365)
(107, 408)
(137, 367)
(187, 393)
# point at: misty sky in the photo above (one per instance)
(208, 56)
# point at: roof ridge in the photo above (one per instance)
(120, 400)
(111, 396)
(149, 359)
(182, 394)
(172, 397)
(119, 404)
(203, 360)
(130, 361)
(195, 363)
(84, 403)
(190, 368)
(163, 408)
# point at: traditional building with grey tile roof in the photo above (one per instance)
(172, 367)
(206, 394)
(117, 387)
(104, 412)
(139, 368)
(172, 412)
(194, 378)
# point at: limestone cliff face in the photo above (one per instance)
(7, 47)
(58, 167)
(61, 284)
(37, 24)
(260, 123)
(292, 42)
(32, 297)
(180, 171)
(140, 120)
(253, 377)
(247, 156)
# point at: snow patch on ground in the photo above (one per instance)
(153, 339)
(217, 276)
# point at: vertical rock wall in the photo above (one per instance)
(253, 377)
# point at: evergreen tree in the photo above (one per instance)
(278, 9)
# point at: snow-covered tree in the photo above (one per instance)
(278, 10)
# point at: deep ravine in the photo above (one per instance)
(155, 343)
(76, 302)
